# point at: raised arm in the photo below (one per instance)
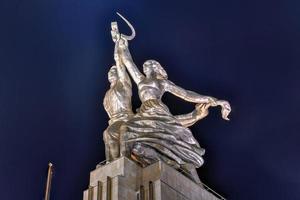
(123, 76)
(126, 58)
(121, 70)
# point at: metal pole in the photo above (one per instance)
(49, 180)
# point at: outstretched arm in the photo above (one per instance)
(200, 112)
(186, 120)
(126, 58)
(197, 98)
(188, 95)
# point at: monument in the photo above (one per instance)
(151, 154)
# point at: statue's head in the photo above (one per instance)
(113, 74)
(152, 67)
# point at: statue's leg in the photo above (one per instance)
(111, 146)
(124, 148)
(114, 150)
(195, 176)
(191, 172)
(107, 149)
(107, 155)
(124, 145)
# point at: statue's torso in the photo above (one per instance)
(150, 89)
(117, 100)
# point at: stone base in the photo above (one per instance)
(123, 179)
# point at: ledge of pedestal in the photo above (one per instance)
(157, 181)
(120, 167)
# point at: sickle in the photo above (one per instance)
(128, 37)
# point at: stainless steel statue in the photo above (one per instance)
(117, 103)
(152, 133)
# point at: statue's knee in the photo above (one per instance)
(123, 132)
(106, 136)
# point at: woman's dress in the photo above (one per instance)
(155, 134)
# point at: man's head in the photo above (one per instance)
(113, 75)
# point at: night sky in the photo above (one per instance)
(54, 59)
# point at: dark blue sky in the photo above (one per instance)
(54, 57)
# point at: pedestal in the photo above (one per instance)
(125, 180)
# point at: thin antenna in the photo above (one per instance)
(49, 180)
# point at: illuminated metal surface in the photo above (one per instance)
(152, 133)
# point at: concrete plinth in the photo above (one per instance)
(125, 180)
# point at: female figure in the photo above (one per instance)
(154, 133)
